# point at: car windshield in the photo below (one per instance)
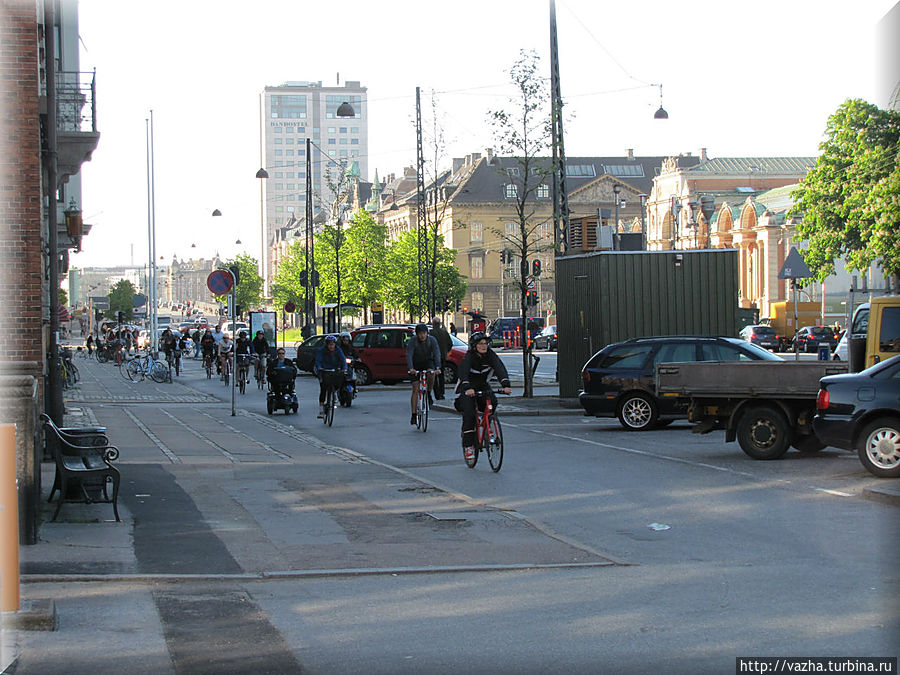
(764, 330)
(457, 342)
(821, 330)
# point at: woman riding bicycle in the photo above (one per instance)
(329, 357)
(226, 348)
(477, 367)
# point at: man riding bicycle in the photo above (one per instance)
(422, 353)
(169, 344)
(476, 368)
(242, 352)
(208, 347)
(260, 352)
(329, 357)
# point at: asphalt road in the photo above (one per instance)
(718, 555)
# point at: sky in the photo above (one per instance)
(740, 79)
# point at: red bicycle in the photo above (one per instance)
(488, 433)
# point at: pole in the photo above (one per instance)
(154, 346)
(233, 335)
(310, 244)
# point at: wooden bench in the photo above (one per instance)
(83, 459)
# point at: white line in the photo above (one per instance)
(283, 455)
(218, 447)
(165, 450)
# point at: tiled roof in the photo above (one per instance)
(778, 199)
(754, 165)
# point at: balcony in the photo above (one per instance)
(76, 115)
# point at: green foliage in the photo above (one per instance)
(249, 289)
(365, 254)
(286, 285)
(402, 287)
(63, 297)
(849, 201)
(121, 299)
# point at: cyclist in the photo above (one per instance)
(225, 350)
(208, 346)
(346, 345)
(169, 344)
(476, 368)
(242, 350)
(329, 357)
(217, 336)
(422, 353)
(446, 344)
(261, 352)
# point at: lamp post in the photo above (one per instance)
(616, 190)
(262, 174)
(643, 199)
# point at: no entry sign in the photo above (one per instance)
(219, 282)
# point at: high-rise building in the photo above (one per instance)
(292, 113)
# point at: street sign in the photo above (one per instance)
(377, 306)
(794, 266)
(290, 307)
(139, 300)
(219, 282)
(531, 284)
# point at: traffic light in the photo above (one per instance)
(536, 267)
(304, 278)
(503, 256)
(457, 304)
(120, 316)
(236, 271)
(530, 298)
(315, 278)
(446, 303)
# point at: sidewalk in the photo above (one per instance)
(213, 505)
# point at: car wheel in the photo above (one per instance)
(638, 412)
(363, 375)
(879, 447)
(449, 373)
(763, 433)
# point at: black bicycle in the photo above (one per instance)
(332, 379)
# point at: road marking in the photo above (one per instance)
(200, 436)
(679, 460)
(283, 455)
(162, 446)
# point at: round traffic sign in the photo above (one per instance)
(219, 282)
(290, 307)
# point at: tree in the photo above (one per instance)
(121, 299)
(286, 285)
(63, 298)
(524, 132)
(401, 288)
(365, 260)
(848, 201)
(331, 238)
(249, 288)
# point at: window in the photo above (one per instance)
(512, 171)
(677, 352)
(626, 357)
(332, 130)
(477, 301)
(278, 141)
(578, 170)
(890, 330)
(288, 141)
(279, 153)
(718, 352)
(476, 232)
(343, 130)
(359, 340)
(277, 130)
(477, 265)
(332, 141)
(510, 191)
(511, 229)
(278, 174)
(289, 130)
(354, 141)
(343, 141)
(289, 153)
(542, 191)
(624, 169)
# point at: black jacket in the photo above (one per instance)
(475, 370)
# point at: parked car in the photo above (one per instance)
(381, 351)
(859, 411)
(307, 350)
(841, 351)
(764, 336)
(620, 379)
(808, 338)
(229, 329)
(547, 339)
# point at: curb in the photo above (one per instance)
(889, 495)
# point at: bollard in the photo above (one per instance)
(824, 352)
(9, 521)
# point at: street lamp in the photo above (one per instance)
(616, 190)
(643, 199)
(660, 114)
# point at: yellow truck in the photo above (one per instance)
(874, 332)
(781, 318)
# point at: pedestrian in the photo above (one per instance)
(445, 344)
(452, 329)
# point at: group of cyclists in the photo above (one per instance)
(427, 351)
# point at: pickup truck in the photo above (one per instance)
(767, 406)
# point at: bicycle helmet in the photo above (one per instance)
(330, 338)
(345, 335)
(476, 337)
(421, 328)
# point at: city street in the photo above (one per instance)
(252, 543)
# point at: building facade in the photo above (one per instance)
(292, 113)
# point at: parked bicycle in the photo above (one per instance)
(488, 433)
(143, 366)
(68, 372)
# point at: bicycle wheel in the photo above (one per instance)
(328, 418)
(423, 411)
(208, 365)
(226, 374)
(158, 372)
(102, 356)
(132, 370)
(242, 380)
(494, 445)
(73, 372)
